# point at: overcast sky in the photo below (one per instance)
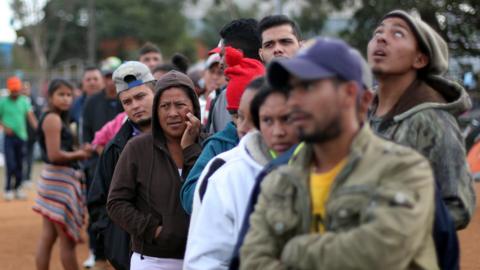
(7, 34)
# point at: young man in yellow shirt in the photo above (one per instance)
(348, 199)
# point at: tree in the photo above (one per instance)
(457, 21)
(60, 29)
(160, 22)
(217, 16)
(29, 16)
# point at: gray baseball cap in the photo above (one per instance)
(131, 74)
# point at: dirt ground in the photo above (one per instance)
(20, 230)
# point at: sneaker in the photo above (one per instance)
(8, 195)
(90, 261)
(20, 195)
(27, 184)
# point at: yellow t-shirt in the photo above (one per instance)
(320, 184)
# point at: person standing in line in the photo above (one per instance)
(150, 55)
(415, 106)
(240, 71)
(97, 111)
(61, 190)
(280, 37)
(32, 139)
(135, 88)
(144, 193)
(240, 34)
(346, 186)
(92, 83)
(224, 195)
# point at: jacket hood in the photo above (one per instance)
(169, 80)
(433, 92)
(255, 149)
(227, 135)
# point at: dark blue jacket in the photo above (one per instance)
(218, 143)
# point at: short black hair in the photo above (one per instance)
(149, 47)
(242, 34)
(179, 62)
(277, 20)
(259, 99)
(91, 68)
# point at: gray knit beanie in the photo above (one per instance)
(429, 41)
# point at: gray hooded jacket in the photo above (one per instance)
(424, 119)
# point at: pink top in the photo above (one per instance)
(109, 130)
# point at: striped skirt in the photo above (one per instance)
(61, 198)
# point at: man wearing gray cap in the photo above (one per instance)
(417, 107)
(347, 199)
(135, 90)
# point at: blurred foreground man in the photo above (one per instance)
(348, 199)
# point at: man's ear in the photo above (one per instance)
(300, 43)
(364, 104)
(260, 53)
(351, 91)
(421, 61)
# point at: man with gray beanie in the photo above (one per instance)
(417, 107)
(135, 90)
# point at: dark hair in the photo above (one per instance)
(242, 34)
(57, 83)
(259, 99)
(54, 85)
(149, 47)
(277, 20)
(256, 84)
(179, 62)
(91, 68)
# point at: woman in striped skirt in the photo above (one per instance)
(61, 193)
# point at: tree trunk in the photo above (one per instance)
(91, 33)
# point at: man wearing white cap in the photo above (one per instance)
(135, 90)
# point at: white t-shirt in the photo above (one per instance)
(152, 263)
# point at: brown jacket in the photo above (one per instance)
(145, 191)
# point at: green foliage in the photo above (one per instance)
(158, 21)
(457, 21)
(312, 17)
(220, 14)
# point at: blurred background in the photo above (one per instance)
(45, 39)
(40, 39)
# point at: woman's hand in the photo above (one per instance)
(86, 151)
(158, 230)
(191, 132)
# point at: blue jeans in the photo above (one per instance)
(13, 159)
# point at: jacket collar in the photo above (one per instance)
(256, 148)
(123, 135)
(359, 144)
(433, 92)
